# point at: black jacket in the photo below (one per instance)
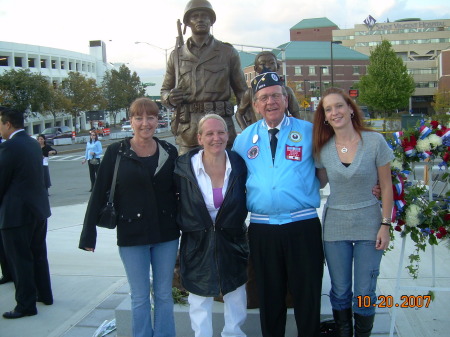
(23, 195)
(213, 256)
(146, 205)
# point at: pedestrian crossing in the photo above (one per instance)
(58, 158)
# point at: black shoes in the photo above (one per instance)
(17, 314)
(4, 279)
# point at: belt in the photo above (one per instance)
(213, 107)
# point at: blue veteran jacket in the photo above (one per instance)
(286, 190)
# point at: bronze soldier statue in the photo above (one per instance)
(201, 75)
(264, 61)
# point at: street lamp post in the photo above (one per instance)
(304, 86)
(331, 60)
(152, 45)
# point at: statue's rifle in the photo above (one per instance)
(178, 45)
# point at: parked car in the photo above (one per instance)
(126, 126)
(56, 132)
(162, 124)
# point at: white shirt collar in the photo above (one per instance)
(278, 126)
(12, 134)
(199, 168)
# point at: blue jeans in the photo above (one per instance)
(137, 261)
(341, 256)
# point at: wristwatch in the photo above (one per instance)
(386, 221)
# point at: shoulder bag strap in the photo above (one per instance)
(113, 184)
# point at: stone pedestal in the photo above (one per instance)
(251, 326)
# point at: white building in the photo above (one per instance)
(56, 65)
(419, 43)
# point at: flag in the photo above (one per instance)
(370, 21)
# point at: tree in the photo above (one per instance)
(22, 90)
(120, 89)
(83, 94)
(387, 85)
(58, 103)
(441, 100)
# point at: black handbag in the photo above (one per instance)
(94, 161)
(108, 215)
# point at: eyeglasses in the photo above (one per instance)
(265, 98)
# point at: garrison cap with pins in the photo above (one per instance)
(266, 79)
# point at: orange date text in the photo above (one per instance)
(387, 301)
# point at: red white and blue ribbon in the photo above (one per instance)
(397, 137)
(424, 131)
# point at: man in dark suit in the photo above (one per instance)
(4, 268)
(24, 209)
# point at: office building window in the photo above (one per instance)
(18, 62)
(70, 65)
(63, 65)
(3, 61)
(43, 63)
(53, 64)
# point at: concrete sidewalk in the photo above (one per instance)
(89, 286)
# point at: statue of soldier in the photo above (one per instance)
(264, 62)
(200, 77)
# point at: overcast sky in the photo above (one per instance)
(72, 24)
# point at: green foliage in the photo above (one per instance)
(179, 296)
(22, 90)
(441, 100)
(387, 86)
(120, 89)
(83, 93)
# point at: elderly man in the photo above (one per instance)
(282, 196)
(265, 61)
(24, 210)
(200, 77)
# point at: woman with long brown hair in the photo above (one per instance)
(352, 158)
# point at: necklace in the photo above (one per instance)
(344, 148)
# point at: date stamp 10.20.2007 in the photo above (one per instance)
(387, 301)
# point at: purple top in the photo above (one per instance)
(218, 197)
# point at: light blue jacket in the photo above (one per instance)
(95, 147)
(286, 190)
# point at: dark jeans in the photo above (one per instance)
(93, 169)
(289, 255)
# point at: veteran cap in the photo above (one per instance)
(264, 80)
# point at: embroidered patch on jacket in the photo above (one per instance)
(253, 152)
(294, 152)
(295, 136)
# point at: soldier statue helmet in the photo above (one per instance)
(195, 5)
